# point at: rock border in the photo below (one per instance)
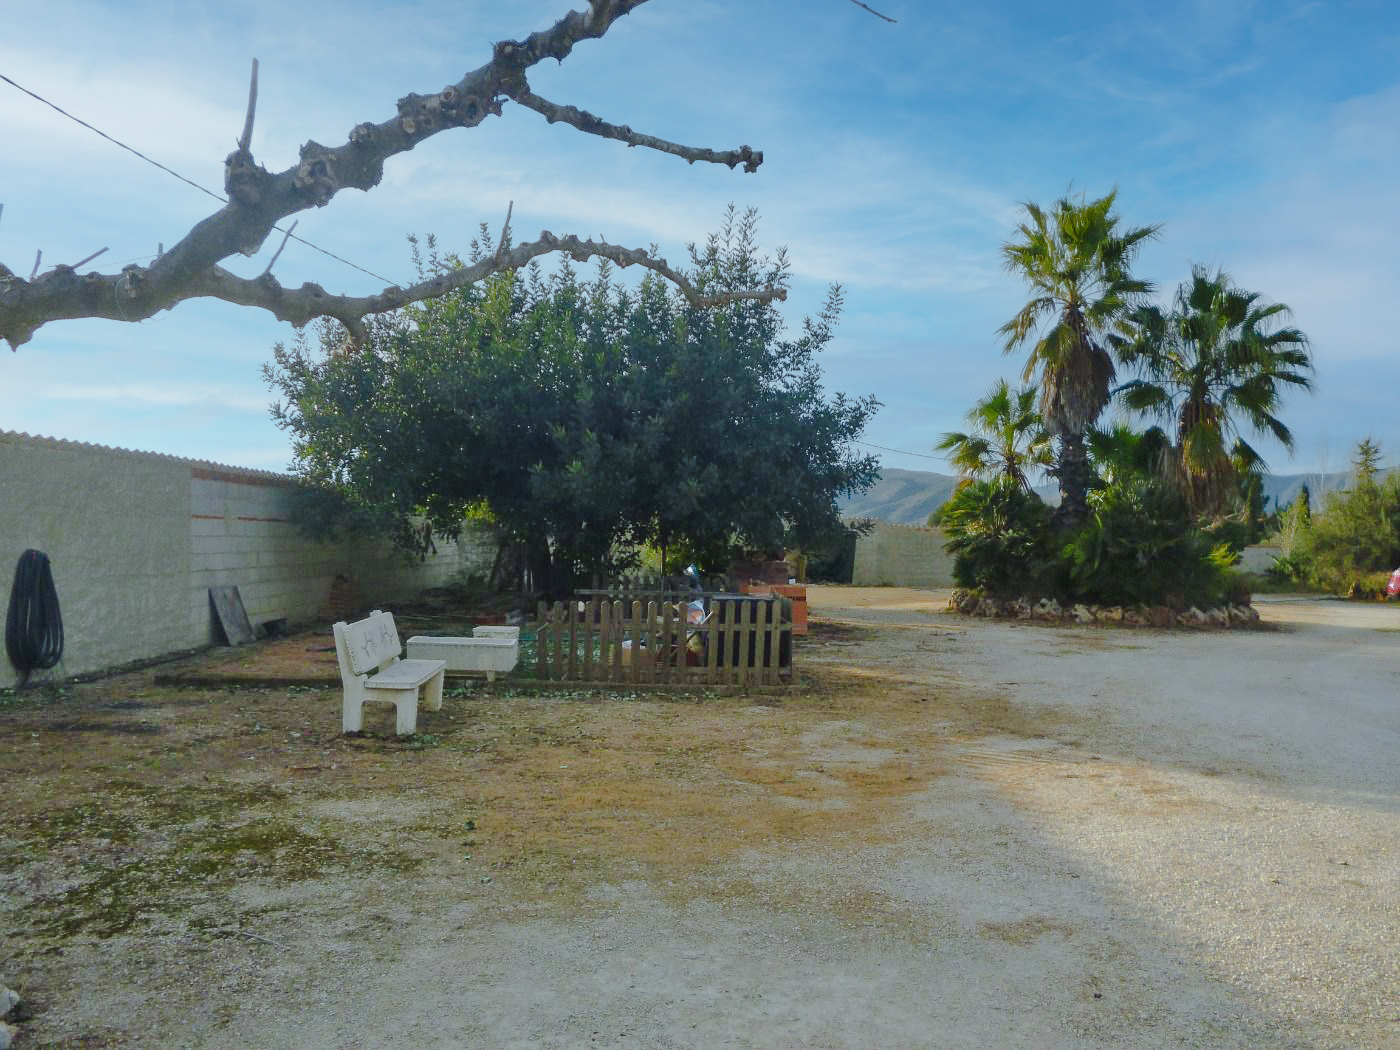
(1049, 610)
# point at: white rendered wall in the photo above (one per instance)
(137, 539)
(902, 556)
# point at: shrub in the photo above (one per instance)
(1357, 534)
(1000, 538)
(1139, 546)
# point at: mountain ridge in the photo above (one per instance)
(908, 497)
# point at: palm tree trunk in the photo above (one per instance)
(1074, 474)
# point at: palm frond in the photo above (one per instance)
(1218, 361)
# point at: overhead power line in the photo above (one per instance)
(218, 197)
(921, 455)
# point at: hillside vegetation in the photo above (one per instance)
(908, 497)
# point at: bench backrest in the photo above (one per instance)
(372, 642)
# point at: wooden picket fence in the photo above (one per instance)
(743, 642)
(650, 587)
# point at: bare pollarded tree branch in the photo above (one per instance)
(258, 200)
(300, 305)
(872, 10)
(585, 121)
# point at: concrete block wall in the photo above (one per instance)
(902, 556)
(137, 539)
(240, 535)
(115, 526)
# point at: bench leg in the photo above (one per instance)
(405, 703)
(432, 692)
(406, 706)
(352, 714)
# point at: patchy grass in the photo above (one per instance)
(101, 866)
(134, 805)
(137, 806)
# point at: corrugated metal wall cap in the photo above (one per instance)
(20, 438)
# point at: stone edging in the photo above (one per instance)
(1048, 610)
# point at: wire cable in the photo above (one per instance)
(921, 455)
(188, 182)
(33, 623)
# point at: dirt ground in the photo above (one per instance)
(952, 833)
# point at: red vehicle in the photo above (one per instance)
(1392, 589)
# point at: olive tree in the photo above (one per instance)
(586, 418)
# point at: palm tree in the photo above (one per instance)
(1121, 454)
(1078, 264)
(1007, 438)
(1219, 356)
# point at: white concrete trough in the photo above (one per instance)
(490, 631)
(477, 654)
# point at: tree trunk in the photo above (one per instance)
(540, 567)
(1075, 476)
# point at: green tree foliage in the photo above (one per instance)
(1139, 544)
(1078, 264)
(1216, 359)
(1356, 533)
(1302, 509)
(1295, 523)
(1259, 522)
(587, 418)
(1366, 462)
(1006, 440)
(1119, 453)
(1146, 517)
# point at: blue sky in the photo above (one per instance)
(1263, 134)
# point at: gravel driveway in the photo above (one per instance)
(1193, 841)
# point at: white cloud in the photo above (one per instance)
(1318, 235)
(895, 160)
(136, 394)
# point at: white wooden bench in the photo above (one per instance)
(370, 669)
(493, 650)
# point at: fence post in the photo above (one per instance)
(746, 637)
(558, 654)
(542, 641)
(627, 621)
(711, 649)
(649, 652)
(670, 654)
(612, 612)
(585, 668)
(772, 649)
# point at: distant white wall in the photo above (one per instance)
(902, 556)
(1259, 557)
(137, 539)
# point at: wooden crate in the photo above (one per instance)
(795, 592)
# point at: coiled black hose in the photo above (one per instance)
(33, 625)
